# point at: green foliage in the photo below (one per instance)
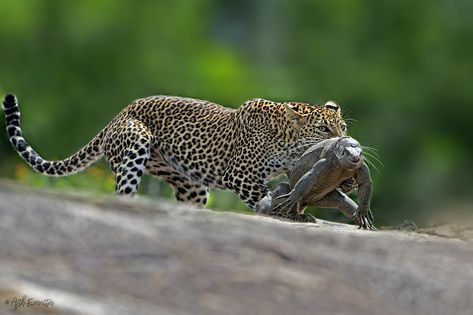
(94, 179)
(402, 69)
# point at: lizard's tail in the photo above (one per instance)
(73, 164)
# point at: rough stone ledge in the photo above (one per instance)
(94, 254)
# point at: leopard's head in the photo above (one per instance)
(314, 124)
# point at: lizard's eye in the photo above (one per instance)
(323, 128)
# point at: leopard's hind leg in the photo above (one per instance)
(127, 148)
(185, 189)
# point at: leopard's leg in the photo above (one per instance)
(190, 192)
(249, 180)
(128, 149)
(185, 189)
(251, 190)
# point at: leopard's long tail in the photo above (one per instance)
(73, 164)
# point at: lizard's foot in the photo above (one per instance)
(365, 220)
(303, 217)
(349, 185)
(284, 208)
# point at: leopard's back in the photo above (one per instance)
(193, 136)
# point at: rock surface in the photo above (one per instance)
(99, 255)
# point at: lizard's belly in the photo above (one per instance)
(319, 191)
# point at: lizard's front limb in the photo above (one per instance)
(336, 200)
(363, 214)
(266, 204)
(289, 204)
(271, 200)
(333, 200)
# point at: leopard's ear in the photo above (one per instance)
(333, 106)
(296, 118)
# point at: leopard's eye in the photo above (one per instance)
(344, 127)
(323, 128)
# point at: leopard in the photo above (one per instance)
(194, 145)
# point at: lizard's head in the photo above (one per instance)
(349, 153)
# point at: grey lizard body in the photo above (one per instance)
(315, 179)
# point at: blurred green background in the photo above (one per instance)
(402, 69)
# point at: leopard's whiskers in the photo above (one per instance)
(369, 148)
(374, 156)
(349, 120)
(371, 163)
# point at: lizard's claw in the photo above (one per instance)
(348, 185)
(303, 217)
(365, 220)
(283, 209)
